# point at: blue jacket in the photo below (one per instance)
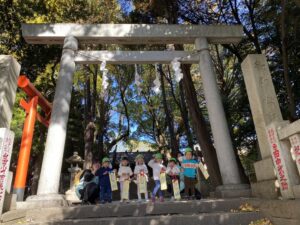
(190, 168)
(103, 179)
(82, 184)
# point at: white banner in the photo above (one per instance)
(163, 181)
(6, 144)
(113, 181)
(203, 170)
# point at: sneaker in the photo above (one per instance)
(102, 202)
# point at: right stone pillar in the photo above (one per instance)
(265, 110)
(232, 186)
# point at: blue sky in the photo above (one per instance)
(126, 6)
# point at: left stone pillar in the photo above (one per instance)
(48, 187)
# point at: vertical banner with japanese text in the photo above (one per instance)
(6, 144)
(163, 181)
(279, 162)
(142, 183)
(113, 181)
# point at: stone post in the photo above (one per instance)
(222, 140)
(6, 144)
(265, 110)
(75, 159)
(285, 167)
(55, 143)
(9, 70)
(295, 142)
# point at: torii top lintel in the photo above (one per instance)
(131, 33)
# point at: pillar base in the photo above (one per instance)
(296, 190)
(20, 194)
(43, 201)
(233, 191)
(265, 189)
(72, 197)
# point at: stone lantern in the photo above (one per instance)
(75, 160)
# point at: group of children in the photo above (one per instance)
(125, 174)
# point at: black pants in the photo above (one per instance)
(90, 193)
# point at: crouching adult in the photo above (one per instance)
(88, 188)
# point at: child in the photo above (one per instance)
(158, 168)
(141, 170)
(124, 173)
(173, 172)
(103, 175)
(189, 166)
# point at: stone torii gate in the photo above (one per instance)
(71, 35)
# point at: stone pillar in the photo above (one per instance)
(55, 143)
(295, 142)
(6, 145)
(265, 110)
(285, 167)
(222, 140)
(9, 70)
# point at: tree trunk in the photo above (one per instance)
(37, 163)
(90, 126)
(102, 125)
(88, 102)
(169, 117)
(36, 174)
(88, 145)
(290, 96)
(199, 125)
(94, 99)
(185, 115)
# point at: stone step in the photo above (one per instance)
(220, 209)
(201, 219)
(132, 209)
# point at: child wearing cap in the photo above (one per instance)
(173, 171)
(189, 166)
(141, 169)
(158, 167)
(104, 182)
(124, 174)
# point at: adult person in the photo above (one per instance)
(87, 190)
